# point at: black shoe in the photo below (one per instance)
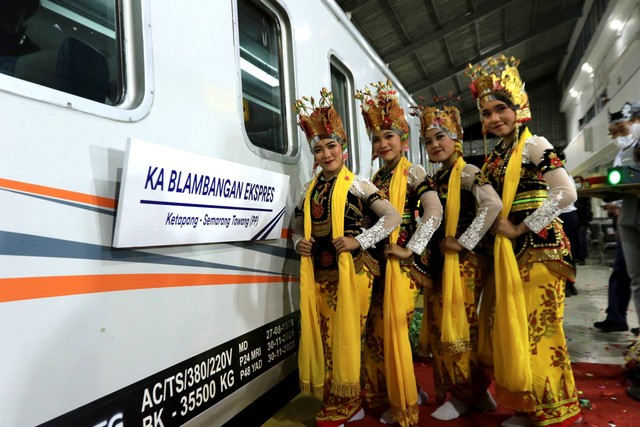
(605, 326)
(571, 287)
(635, 331)
(634, 391)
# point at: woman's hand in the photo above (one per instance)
(305, 247)
(393, 250)
(450, 243)
(508, 229)
(345, 244)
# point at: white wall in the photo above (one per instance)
(614, 58)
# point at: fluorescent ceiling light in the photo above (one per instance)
(258, 73)
(616, 24)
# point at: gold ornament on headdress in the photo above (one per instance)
(382, 110)
(500, 76)
(321, 120)
(446, 119)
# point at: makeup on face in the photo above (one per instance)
(440, 146)
(498, 118)
(387, 145)
(327, 153)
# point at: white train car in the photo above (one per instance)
(162, 333)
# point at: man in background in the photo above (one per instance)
(624, 128)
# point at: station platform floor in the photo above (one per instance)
(586, 344)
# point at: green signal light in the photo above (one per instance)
(614, 177)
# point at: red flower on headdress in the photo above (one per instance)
(474, 91)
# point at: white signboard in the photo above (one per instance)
(174, 197)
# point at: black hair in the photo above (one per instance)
(506, 99)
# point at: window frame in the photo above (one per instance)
(349, 119)
(287, 82)
(137, 58)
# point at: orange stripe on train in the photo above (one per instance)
(76, 197)
(58, 193)
(25, 288)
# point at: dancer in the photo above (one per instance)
(523, 308)
(458, 266)
(335, 270)
(389, 377)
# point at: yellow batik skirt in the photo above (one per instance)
(336, 409)
(373, 358)
(461, 374)
(553, 383)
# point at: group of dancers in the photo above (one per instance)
(484, 246)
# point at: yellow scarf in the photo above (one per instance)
(398, 362)
(455, 325)
(346, 323)
(512, 362)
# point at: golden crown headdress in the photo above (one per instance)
(446, 119)
(500, 76)
(382, 110)
(321, 120)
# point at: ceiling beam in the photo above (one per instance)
(552, 55)
(550, 24)
(451, 27)
(388, 6)
(477, 34)
(434, 12)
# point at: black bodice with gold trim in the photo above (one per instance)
(435, 259)
(382, 180)
(550, 244)
(324, 254)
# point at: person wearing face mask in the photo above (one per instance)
(624, 130)
(619, 287)
(635, 129)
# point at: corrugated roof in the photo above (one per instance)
(428, 43)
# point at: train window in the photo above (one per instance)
(344, 101)
(68, 45)
(263, 44)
